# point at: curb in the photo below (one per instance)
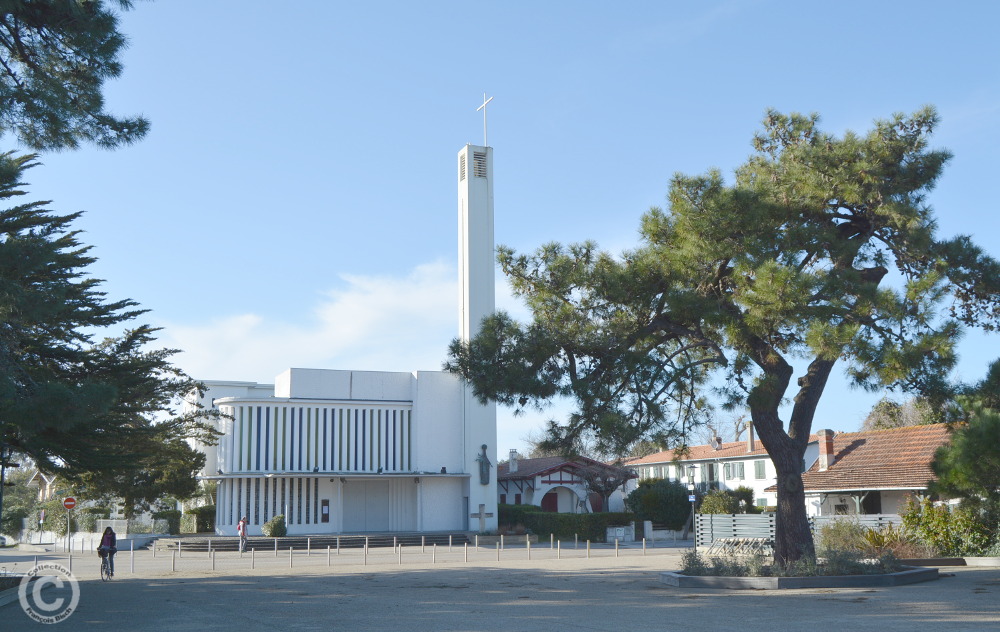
(909, 576)
(10, 595)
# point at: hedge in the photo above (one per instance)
(564, 526)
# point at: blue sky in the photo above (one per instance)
(294, 202)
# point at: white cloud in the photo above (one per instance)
(369, 323)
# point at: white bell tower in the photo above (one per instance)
(476, 271)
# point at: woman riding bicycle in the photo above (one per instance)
(108, 547)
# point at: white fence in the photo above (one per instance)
(711, 527)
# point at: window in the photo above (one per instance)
(517, 499)
(759, 470)
(761, 502)
(733, 471)
(503, 499)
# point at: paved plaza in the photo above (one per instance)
(470, 590)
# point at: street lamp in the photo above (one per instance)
(691, 497)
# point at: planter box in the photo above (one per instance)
(908, 576)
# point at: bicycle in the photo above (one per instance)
(106, 573)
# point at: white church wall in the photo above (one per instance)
(441, 500)
(437, 419)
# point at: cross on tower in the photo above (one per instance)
(483, 108)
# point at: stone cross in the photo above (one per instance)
(483, 108)
(482, 515)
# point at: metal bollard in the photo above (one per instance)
(178, 548)
(434, 550)
(423, 543)
(501, 541)
(70, 561)
(276, 547)
(173, 561)
(131, 556)
(576, 541)
(616, 547)
(552, 539)
(399, 552)
(498, 551)
(466, 551)
(477, 541)
(449, 543)
(327, 554)
(644, 547)
(252, 560)
(308, 547)
(212, 555)
(289, 557)
(528, 541)
(588, 549)
(559, 550)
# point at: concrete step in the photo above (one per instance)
(314, 542)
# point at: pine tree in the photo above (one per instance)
(784, 268)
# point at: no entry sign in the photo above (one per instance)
(69, 503)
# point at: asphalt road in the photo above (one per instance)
(541, 594)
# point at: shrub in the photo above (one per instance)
(173, 519)
(275, 527)
(719, 501)
(950, 531)
(661, 501)
(564, 526)
(203, 518)
(843, 534)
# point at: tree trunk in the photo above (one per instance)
(793, 538)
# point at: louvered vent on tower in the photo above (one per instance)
(479, 164)
(461, 168)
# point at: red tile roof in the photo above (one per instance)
(899, 458)
(731, 450)
(529, 468)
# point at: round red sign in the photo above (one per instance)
(69, 503)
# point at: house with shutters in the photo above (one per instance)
(719, 465)
(871, 472)
(556, 484)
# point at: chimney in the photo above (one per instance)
(512, 464)
(825, 449)
(751, 444)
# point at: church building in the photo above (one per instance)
(341, 451)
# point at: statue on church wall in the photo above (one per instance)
(484, 467)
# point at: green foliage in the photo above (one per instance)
(729, 501)
(275, 527)
(719, 501)
(782, 268)
(844, 534)
(204, 518)
(661, 501)
(87, 411)
(172, 518)
(955, 531)
(834, 563)
(54, 58)
(968, 466)
(19, 500)
(564, 526)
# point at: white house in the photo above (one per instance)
(340, 451)
(871, 472)
(721, 466)
(555, 484)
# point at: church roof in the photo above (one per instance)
(897, 458)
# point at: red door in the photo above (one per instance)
(550, 502)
